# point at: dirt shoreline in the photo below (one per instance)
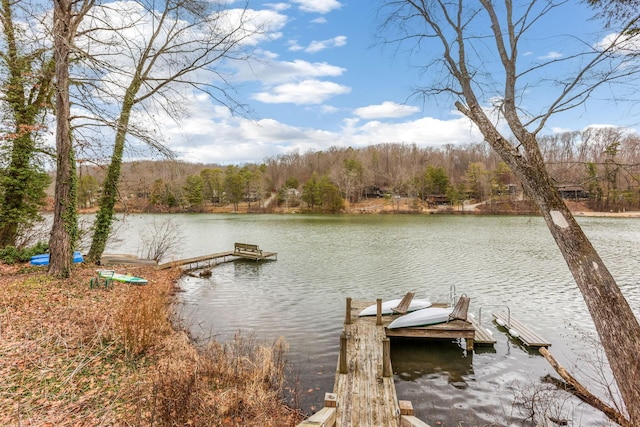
(379, 206)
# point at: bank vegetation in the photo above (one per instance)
(597, 166)
(73, 355)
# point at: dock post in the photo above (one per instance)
(386, 357)
(379, 311)
(347, 317)
(406, 407)
(330, 400)
(343, 353)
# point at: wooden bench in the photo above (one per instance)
(247, 250)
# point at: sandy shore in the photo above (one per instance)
(628, 214)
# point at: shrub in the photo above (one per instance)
(12, 255)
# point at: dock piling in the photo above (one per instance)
(386, 358)
(343, 353)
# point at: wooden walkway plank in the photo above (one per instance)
(365, 397)
(528, 337)
(179, 263)
(220, 257)
(482, 336)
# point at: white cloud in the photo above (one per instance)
(328, 109)
(318, 6)
(317, 46)
(424, 132)
(623, 44)
(269, 71)
(304, 92)
(559, 130)
(319, 20)
(258, 25)
(278, 6)
(551, 55)
(294, 46)
(210, 134)
(387, 109)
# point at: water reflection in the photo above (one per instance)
(413, 359)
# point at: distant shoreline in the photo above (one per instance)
(373, 207)
(628, 214)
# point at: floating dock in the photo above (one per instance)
(519, 330)
(241, 250)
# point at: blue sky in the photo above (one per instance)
(321, 79)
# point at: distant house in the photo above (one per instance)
(437, 200)
(373, 192)
(572, 191)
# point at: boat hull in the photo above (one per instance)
(424, 317)
(107, 274)
(387, 306)
(43, 259)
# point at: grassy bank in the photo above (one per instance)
(71, 355)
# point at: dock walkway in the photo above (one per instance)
(519, 330)
(241, 250)
(364, 393)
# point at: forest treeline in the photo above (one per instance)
(600, 165)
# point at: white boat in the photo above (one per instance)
(424, 317)
(387, 306)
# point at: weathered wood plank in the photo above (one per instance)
(365, 398)
(186, 261)
(325, 417)
(461, 309)
(482, 337)
(528, 337)
(405, 302)
(411, 421)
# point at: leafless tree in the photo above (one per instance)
(139, 60)
(468, 35)
(67, 16)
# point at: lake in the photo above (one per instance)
(495, 260)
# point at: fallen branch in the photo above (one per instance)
(580, 391)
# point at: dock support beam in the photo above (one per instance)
(386, 358)
(343, 354)
(347, 316)
(379, 311)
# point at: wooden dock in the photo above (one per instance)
(203, 261)
(364, 393)
(528, 337)
(472, 332)
(241, 250)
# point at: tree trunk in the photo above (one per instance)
(614, 320)
(104, 217)
(617, 326)
(64, 228)
(584, 394)
(22, 188)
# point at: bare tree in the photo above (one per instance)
(141, 58)
(67, 16)
(468, 33)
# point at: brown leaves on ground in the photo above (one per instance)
(75, 356)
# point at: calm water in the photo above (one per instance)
(510, 261)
